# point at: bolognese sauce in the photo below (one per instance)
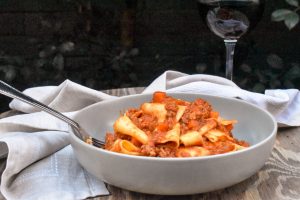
(171, 127)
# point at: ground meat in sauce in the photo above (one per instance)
(166, 150)
(148, 150)
(199, 110)
(122, 136)
(163, 150)
(242, 143)
(110, 138)
(224, 129)
(142, 120)
(172, 109)
(195, 116)
(219, 147)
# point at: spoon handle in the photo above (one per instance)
(12, 92)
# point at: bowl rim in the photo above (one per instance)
(180, 159)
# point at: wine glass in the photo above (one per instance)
(230, 19)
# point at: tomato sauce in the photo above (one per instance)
(196, 115)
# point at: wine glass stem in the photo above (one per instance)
(230, 45)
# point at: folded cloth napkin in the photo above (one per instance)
(39, 160)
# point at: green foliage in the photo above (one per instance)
(289, 17)
(89, 54)
(104, 63)
(276, 74)
(293, 2)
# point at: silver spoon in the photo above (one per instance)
(12, 92)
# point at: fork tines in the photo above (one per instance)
(97, 142)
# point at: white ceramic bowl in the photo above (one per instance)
(176, 176)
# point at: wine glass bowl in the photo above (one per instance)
(230, 19)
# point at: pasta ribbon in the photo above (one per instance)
(128, 148)
(125, 126)
(191, 138)
(216, 135)
(210, 124)
(116, 146)
(124, 146)
(171, 136)
(180, 112)
(192, 151)
(227, 122)
(170, 127)
(156, 109)
(238, 147)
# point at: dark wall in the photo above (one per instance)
(115, 43)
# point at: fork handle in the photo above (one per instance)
(12, 92)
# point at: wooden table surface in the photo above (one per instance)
(278, 179)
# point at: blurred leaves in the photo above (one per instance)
(58, 62)
(274, 61)
(290, 17)
(95, 58)
(292, 73)
(259, 87)
(293, 2)
(246, 68)
(291, 20)
(67, 47)
(280, 14)
(276, 74)
(9, 72)
(201, 67)
(9, 66)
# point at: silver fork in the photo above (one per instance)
(12, 92)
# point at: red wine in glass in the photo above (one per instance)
(230, 19)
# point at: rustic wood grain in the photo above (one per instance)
(279, 179)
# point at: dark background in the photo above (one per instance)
(116, 43)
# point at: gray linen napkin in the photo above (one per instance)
(39, 160)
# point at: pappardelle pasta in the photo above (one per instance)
(170, 127)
